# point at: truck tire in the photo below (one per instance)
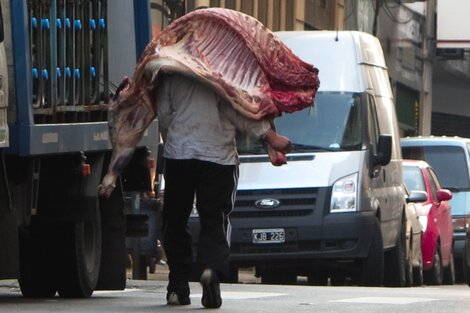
(80, 262)
(36, 262)
(396, 262)
(372, 265)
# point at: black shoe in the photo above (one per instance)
(210, 290)
(172, 298)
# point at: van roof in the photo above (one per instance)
(434, 141)
(337, 54)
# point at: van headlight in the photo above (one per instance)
(344, 195)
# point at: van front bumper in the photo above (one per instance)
(340, 236)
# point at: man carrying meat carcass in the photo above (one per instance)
(201, 164)
(209, 74)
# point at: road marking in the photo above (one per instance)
(385, 300)
(98, 292)
(237, 295)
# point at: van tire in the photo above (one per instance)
(395, 261)
(372, 266)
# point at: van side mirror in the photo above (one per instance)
(384, 150)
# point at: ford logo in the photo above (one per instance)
(267, 203)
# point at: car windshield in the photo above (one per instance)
(413, 178)
(448, 162)
(332, 124)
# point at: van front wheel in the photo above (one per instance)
(373, 264)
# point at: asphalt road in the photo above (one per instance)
(149, 296)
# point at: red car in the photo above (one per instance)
(433, 210)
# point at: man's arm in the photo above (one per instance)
(258, 129)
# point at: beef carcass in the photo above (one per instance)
(235, 54)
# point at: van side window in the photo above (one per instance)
(372, 123)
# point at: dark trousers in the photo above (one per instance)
(214, 187)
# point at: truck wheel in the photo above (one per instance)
(36, 262)
(80, 262)
(395, 262)
(373, 264)
(435, 275)
(449, 272)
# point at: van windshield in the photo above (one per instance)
(332, 124)
(449, 162)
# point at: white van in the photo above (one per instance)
(336, 210)
(450, 158)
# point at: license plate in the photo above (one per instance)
(275, 235)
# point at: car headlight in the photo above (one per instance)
(344, 195)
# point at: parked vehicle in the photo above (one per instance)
(414, 261)
(449, 157)
(337, 209)
(56, 78)
(435, 217)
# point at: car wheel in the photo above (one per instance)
(418, 278)
(466, 262)
(449, 272)
(395, 262)
(435, 275)
(372, 265)
(409, 265)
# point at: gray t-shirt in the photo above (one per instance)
(196, 123)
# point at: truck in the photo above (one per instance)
(60, 61)
(337, 211)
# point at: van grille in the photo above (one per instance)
(292, 202)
